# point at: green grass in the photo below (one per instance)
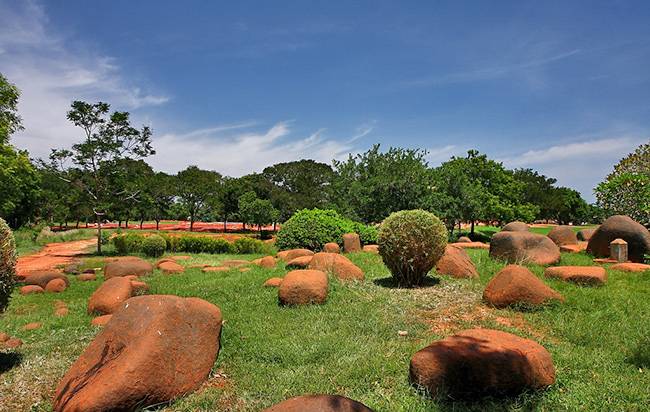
(350, 345)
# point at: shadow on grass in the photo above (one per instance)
(640, 356)
(9, 361)
(389, 282)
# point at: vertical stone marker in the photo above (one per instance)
(618, 250)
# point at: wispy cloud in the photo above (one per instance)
(491, 72)
(50, 74)
(235, 152)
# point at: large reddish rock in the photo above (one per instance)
(577, 248)
(43, 277)
(301, 262)
(86, 277)
(331, 247)
(583, 275)
(110, 296)
(336, 264)
(585, 234)
(156, 349)
(516, 285)
(289, 255)
(631, 267)
(515, 227)
(471, 245)
(351, 243)
(319, 403)
(267, 262)
(456, 262)
(623, 227)
(524, 247)
(479, 362)
(127, 266)
(170, 267)
(273, 282)
(464, 239)
(56, 286)
(301, 287)
(29, 289)
(563, 235)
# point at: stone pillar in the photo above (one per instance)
(618, 250)
(351, 243)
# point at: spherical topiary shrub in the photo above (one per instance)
(154, 245)
(410, 243)
(7, 264)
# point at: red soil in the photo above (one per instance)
(182, 225)
(53, 255)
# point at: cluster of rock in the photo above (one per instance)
(43, 281)
(8, 342)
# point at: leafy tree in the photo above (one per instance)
(228, 199)
(19, 180)
(195, 188)
(302, 184)
(158, 196)
(256, 211)
(245, 203)
(130, 177)
(10, 121)
(108, 141)
(372, 185)
(627, 189)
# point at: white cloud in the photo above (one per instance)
(51, 74)
(242, 152)
(579, 165)
(442, 154)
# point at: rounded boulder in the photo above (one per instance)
(515, 226)
(156, 349)
(42, 278)
(29, 289)
(563, 235)
(524, 247)
(289, 255)
(129, 266)
(582, 275)
(516, 285)
(302, 287)
(331, 247)
(336, 264)
(620, 227)
(455, 262)
(110, 296)
(479, 362)
(56, 286)
(319, 403)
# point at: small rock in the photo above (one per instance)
(288, 255)
(267, 262)
(301, 262)
(4, 337)
(402, 333)
(331, 247)
(582, 275)
(273, 282)
(86, 277)
(55, 286)
(301, 287)
(215, 269)
(371, 249)
(13, 343)
(29, 289)
(630, 267)
(139, 288)
(351, 243)
(319, 403)
(171, 267)
(32, 326)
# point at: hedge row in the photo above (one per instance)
(312, 228)
(135, 243)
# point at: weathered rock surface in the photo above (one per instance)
(479, 362)
(267, 262)
(273, 282)
(127, 266)
(301, 262)
(524, 247)
(302, 287)
(110, 296)
(56, 286)
(583, 275)
(563, 235)
(331, 247)
(455, 262)
(585, 234)
(631, 267)
(319, 403)
(516, 285)
(171, 267)
(371, 249)
(351, 243)
(515, 227)
(29, 289)
(288, 255)
(156, 349)
(623, 227)
(42, 278)
(336, 264)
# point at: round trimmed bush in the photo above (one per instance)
(7, 264)
(311, 229)
(154, 245)
(410, 243)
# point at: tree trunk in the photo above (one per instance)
(191, 223)
(141, 222)
(157, 224)
(472, 230)
(126, 223)
(99, 233)
(225, 224)
(77, 225)
(275, 226)
(119, 224)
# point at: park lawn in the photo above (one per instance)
(599, 339)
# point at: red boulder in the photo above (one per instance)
(516, 285)
(127, 266)
(620, 227)
(524, 247)
(563, 235)
(302, 287)
(319, 403)
(110, 296)
(456, 263)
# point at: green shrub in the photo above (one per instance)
(7, 264)
(154, 245)
(410, 243)
(246, 245)
(203, 244)
(312, 228)
(128, 243)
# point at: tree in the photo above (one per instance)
(245, 203)
(131, 176)
(10, 121)
(19, 180)
(627, 189)
(108, 141)
(302, 184)
(159, 193)
(257, 211)
(195, 187)
(372, 185)
(228, 199)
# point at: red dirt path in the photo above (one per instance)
(184, 226)
(53, 255)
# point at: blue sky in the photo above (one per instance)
(562, 87)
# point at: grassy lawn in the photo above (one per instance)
(599, 339)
